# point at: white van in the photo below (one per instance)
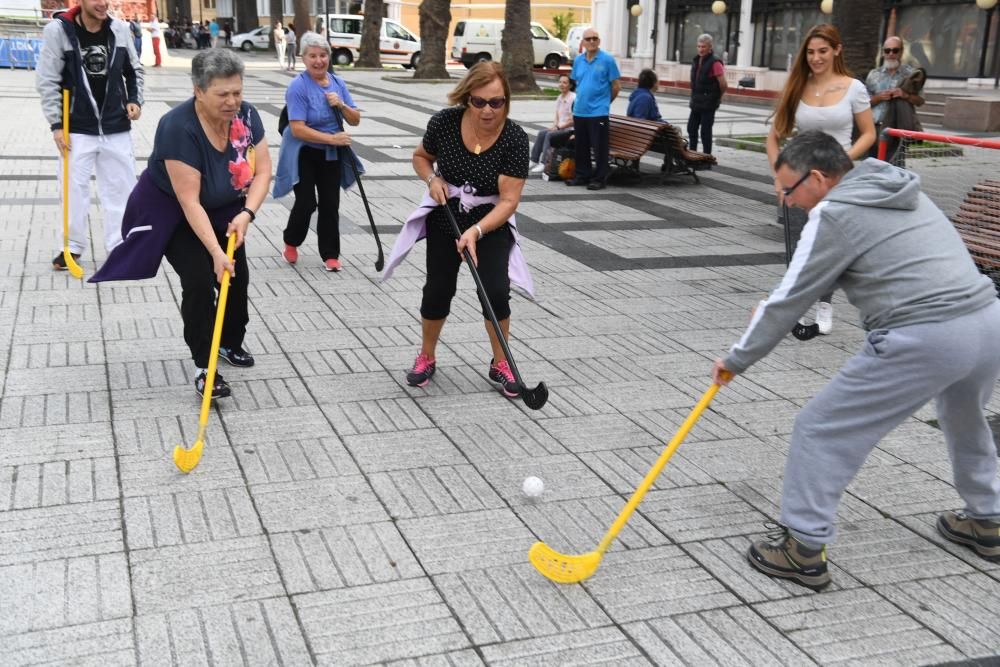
(478, 40)
(397, 45)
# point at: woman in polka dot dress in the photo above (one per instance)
(482, 164)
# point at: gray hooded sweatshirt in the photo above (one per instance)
(883, 242)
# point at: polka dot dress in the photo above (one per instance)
(460, 166)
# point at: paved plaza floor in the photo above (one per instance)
(340, 517)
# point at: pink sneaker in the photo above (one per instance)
(291, 254)
(423, 371)
(503, 376)
(332, 264)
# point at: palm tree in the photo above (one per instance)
(368, 54)
(435, 17)
(518, 52)
(859, 22)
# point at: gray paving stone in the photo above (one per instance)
(903, 489)
(403, 450)
(564, 476)
(276, 425)
(961, 609)
(466, 658)
(475, 409)
(379, 622)
(376, 416)
(642, 584)
(470, 541)
(514, 602)
(925, 525)
(693, 513)
(59, 532)
(433, 491)
(313, 560)
(203, 574)
(57, 355)
(597, 433)
(735, 460)
(101, 644)
(624, 469)
(880, 551)
(733, 636)
(765, 496)
(666, 423)
(142, 476)
(485, 442)
(189, 517)
(762, 418)
(262, 632)
(598, 646)
(334, 362)
(57, 483)
(54, 409)
(65, 591)
(856, 627)
(295, 460)
(318, 503)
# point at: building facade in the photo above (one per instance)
(956, 41)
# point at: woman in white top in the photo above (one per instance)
(820, 94)
(280, 43)
(562, 129)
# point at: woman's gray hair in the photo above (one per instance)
(313, 40)
(214, 64)
(706, 38)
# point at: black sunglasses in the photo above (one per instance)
(591, 39)
(787, 192)
(892, 50)
(494, 102)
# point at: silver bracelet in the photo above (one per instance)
(480, 228)
(431, 178)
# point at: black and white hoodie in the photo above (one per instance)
(61, 66)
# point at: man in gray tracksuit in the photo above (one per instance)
(92, 55)
(932, 320)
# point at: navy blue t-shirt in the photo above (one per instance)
(225, 175)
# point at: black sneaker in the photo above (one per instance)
(59, 263)
(503, 376)
(980, 535)
(236, 356)
(220, 390)
(785, 557)
(422, 372)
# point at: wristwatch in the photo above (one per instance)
(253, 216)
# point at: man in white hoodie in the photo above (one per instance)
(932, 320)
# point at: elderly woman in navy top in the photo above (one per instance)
(482, 164)
(317, 103)
(208, 174)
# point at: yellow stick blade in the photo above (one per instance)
(74, 269)
(187, 459)
(562, 568)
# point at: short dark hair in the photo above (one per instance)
(647, 78)
(815, 149)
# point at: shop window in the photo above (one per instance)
(945, 40)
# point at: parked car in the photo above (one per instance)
(478, 40)
(397, 45)
(574, 40)
(258, 38)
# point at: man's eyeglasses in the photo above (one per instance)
(892, 50)
(494, 102)
(787, 192)
(591, 39)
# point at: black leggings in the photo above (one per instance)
(194, 266)
(316, 173)
(443, 263)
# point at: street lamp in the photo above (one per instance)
(989, 6)
(827, 6)
(636, 10)
(718, 7)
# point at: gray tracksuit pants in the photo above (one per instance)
(896, 372)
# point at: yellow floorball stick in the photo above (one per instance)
(74, 269)
(570, 569)
(187, 459)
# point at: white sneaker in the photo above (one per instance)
(532, 164)
(538, 168)
(824, 317)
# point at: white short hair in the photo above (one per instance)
(313, 39)
(705, 37)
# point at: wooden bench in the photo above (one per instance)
(631, 138)
(978, 223)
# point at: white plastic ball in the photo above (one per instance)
(533, 487)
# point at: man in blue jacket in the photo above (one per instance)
(93, 55)
(597, 85)
(931, 320)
